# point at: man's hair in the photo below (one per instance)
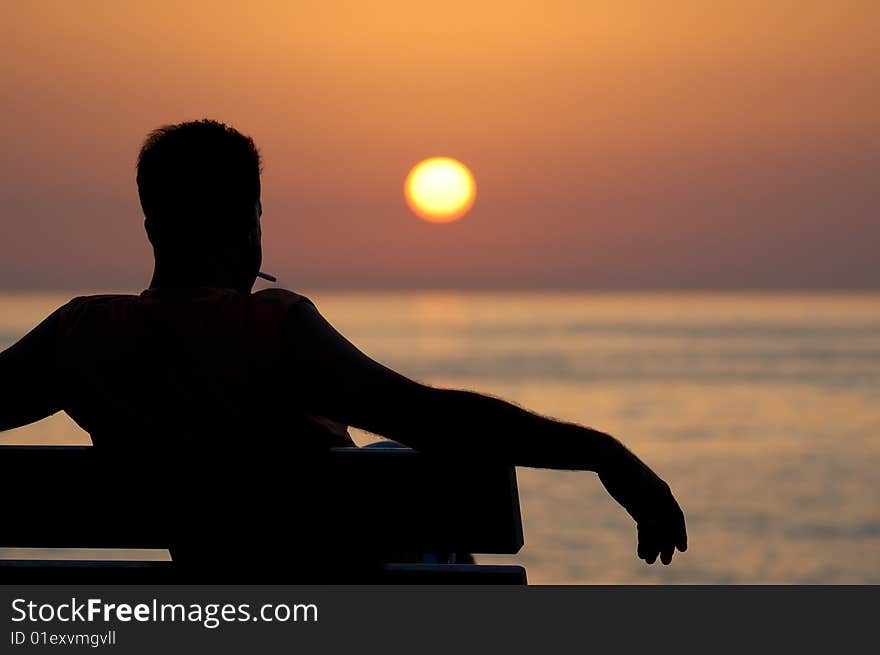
(197, 180)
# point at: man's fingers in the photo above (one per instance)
(661, 540)
(662, 535)
(649, 548)
(681, 538)
(648, 551)
(682, 542)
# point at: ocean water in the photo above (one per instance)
(762, 411)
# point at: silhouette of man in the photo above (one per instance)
(199, 363)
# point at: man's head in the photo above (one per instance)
(199, 186)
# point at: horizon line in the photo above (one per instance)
(868, 290)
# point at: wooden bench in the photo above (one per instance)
(350, 515)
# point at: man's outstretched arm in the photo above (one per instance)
(27, 377)
(334, 379)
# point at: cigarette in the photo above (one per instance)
(266, 276)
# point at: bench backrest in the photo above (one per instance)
(345, 501)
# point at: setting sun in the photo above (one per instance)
(440, 189)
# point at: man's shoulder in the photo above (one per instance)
(82, 310)
(281, 304)
(283, 297)
(96, 300)
(101, 298)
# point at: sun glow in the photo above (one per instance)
(440, 189)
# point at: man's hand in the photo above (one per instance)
(649, 501)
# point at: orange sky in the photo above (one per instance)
(628, 144)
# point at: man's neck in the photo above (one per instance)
(163, 278)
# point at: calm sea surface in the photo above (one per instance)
(762, 411)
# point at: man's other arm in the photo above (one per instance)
(28, 390)
(332, 378)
